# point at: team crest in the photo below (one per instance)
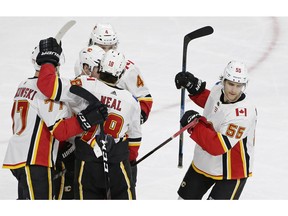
(76, 82)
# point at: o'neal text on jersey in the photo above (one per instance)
(111, 102)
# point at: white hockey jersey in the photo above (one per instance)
(225, 137)
(123, 108)
(133, 81)
(35, 117)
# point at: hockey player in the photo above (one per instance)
(123, 124)
(106, 37)
(89, 65)
(89, 61)
(224, 135)
(38, 126)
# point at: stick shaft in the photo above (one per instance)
(201, 32)
(191, 124)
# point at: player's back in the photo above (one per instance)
(123, 111)
(133, 81)
(32, 141)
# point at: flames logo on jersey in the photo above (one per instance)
(76, 82)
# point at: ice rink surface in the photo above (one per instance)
(155, 44)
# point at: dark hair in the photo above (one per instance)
(108, 78)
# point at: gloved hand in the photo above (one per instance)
(187, 80)
(66, 151)
(188, 117)
(49, 52)
(95, 113)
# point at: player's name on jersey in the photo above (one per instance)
(111, 102)
(25, 93)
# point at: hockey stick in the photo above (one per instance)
(104, 141)
(207, 30)
(191, 124)
(64, 29)
(84, 93)
(58, 38)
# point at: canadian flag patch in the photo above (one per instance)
(241, 112)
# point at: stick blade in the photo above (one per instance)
(64, 29)
(201, 32)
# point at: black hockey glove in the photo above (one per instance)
(66, 154)
(95, 113)
(49, 52)
(188, 117)
(187, 80)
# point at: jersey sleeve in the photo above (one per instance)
(205, 136)
(58, 89)
(234, 130)
(56, 116)
(134, 82)
(200, 99)
(49, 83)
(134, 132)
(54, 87)
(66, 128)
(146, 106)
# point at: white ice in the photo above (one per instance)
(155, 45)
